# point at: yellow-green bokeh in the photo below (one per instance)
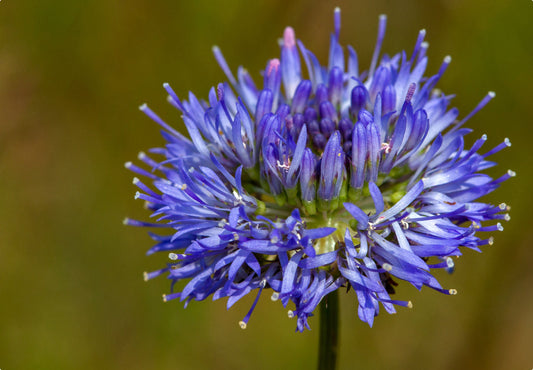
(72, 74)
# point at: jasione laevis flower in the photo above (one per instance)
(325, 178)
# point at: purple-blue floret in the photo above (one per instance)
(324, 178)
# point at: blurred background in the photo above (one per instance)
(72, 74)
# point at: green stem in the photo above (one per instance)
(329, 332)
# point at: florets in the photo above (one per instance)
(328, 179)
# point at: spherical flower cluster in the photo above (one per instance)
(318, 180)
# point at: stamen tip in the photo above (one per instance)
(145, 276)
(173, 256)
(143, 107)
(165, 298)
(449, 262)
(491, 240)
(409, 304)
(290, 314)
(492, 94)
(511, 173)
(452, 291)
(128, 164)
(126, 221)
(383, 17)
(507, 141)
(387, 267)
(447, 59)
(242, 324)
(275, 296)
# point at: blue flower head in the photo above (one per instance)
(321, 178)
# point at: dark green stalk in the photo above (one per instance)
(329, 332)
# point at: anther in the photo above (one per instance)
(452, 291)
(173, 256)
(409, 304)
(491, 240)
(274, 297)
(145, 276)
(242, 324)
(165, 298)
(507, 217)
(436, 92)
(449, 262)
(385, 147)
(284, 166)
(290, 314)
(387, 267)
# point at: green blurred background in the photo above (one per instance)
(72, 74)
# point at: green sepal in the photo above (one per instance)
(310, 207)
(261, 208)
(281, 199)
(354, 194)
(292, 195)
